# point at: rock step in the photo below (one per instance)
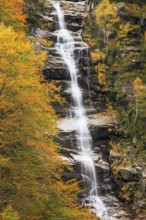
(71, 16)
(68, 125)
(52, 72)
(76, 6)
(69, 110)
(73, 19)
(69, 98)
(56, 73)
(39, 33)
(79, 47)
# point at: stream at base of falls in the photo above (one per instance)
(65, 46)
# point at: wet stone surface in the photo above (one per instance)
(98, 125)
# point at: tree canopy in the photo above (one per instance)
(30, 164)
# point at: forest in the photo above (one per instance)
(31, 185)
(31, 164)
(118, 30)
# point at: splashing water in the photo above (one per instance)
(65, 46)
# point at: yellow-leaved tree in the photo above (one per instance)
(106, 18)
(30, 165)
(20, 89)
(124, 29)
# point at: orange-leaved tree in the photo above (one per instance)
(31, 186)
(26, 115)
(11, 13)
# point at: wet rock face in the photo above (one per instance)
(99, 125)
(55, 73)
(74, 12)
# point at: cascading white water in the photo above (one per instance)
(65, 46)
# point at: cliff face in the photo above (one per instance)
(115, 63)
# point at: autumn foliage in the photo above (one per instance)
(30, 165)
(11, 13)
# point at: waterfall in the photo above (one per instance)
(65, 46)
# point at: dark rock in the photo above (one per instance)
(128, 174)
(70, 175)
(56, 73)
(98, 132)
(74, 27)
(73, 17)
